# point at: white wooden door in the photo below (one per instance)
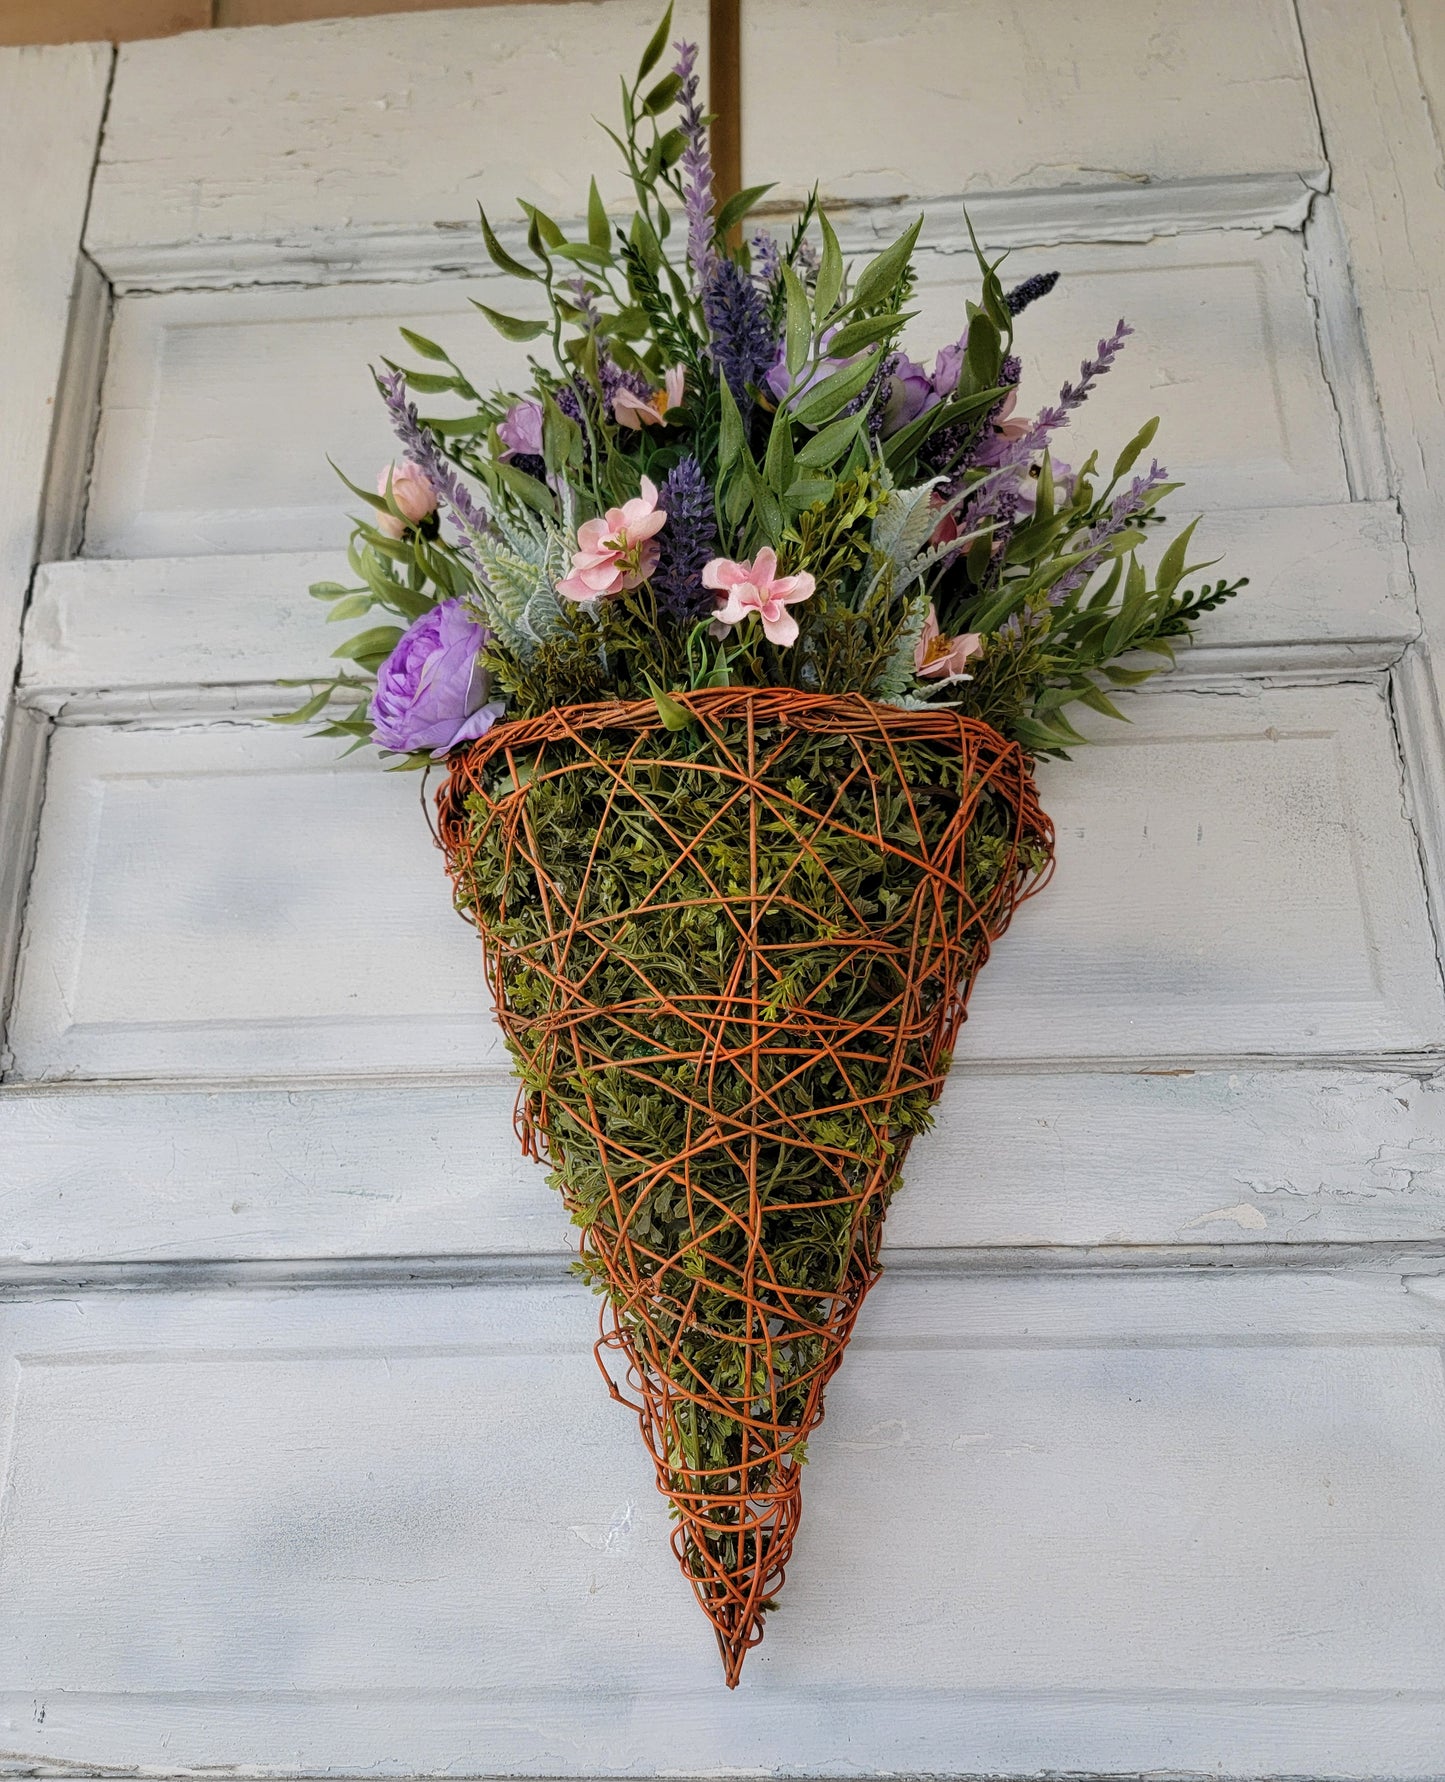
(304, 1465)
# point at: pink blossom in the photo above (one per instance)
(632, 410)
(936, 655)
(411, 492)
(947, 528)
(757, 587)
(1006, 422)
(618, 552)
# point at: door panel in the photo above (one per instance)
(405, 1528)
(1135, 1461)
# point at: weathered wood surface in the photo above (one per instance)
(1047, 1161)
(1329, 588)
(1052, 1524)
(1236, 875)
(222, 408)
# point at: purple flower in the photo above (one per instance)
(696, 165)
(910, 393)
(740, 337)
(783, 384)
(688, 542)
(1021, 296)
(767, 258)
(948, 365)
(520, 429)
(431, 692)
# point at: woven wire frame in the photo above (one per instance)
(735, 1523)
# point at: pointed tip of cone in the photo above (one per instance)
(734, 1648)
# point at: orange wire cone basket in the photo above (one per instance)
(730, 960)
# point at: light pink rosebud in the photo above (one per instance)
(618, 552)
(411, 492)
(757, 587)
(937, 657)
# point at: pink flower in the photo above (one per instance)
(411, 492)
(1008, 424)
(618, 552)
(936, 655)
(632, 410)
(947, 528)
(757, 587)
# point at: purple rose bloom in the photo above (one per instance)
(431, 691)
(781, 383)
(520, 429)
(948, 364)
(910, 394)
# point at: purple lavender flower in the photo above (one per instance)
(1074, 396)
(1021, 296)
(425, 452)
(1121, 510)
(767, 258)
(687, 542)
(696, 166)
(431, 692)
(742, 341)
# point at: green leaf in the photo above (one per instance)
(458, 426)
(598, 231)
(878, 278)
(427, 383)
(354, 606)
(854, 335)
(824, 400)
(824, 449)
(526, 488)
(674, 716)
(511, 327)
(1171, 564)
(662, 95)
(368, 496)
(738, 206)
(1126, 459)
(829, 281)
(656, 44)
(807, 491)
(644, 238)
(329, 590)
(732, 441)
(501, 259)
(798, 326)
(984, 352)
(420, 344)
(561, 437)
(778, 463)
(582, 253)
(546, 229)
(315, 704)
(380, 640)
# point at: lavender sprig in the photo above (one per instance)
(687, 542)
(741, 338)
(767, 258)
(424, 450)
(1021, 296)
(697, 174)
(1075, 395)
(1121, 510)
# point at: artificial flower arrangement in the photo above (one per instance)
(738, 629)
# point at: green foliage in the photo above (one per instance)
(1049, 574)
